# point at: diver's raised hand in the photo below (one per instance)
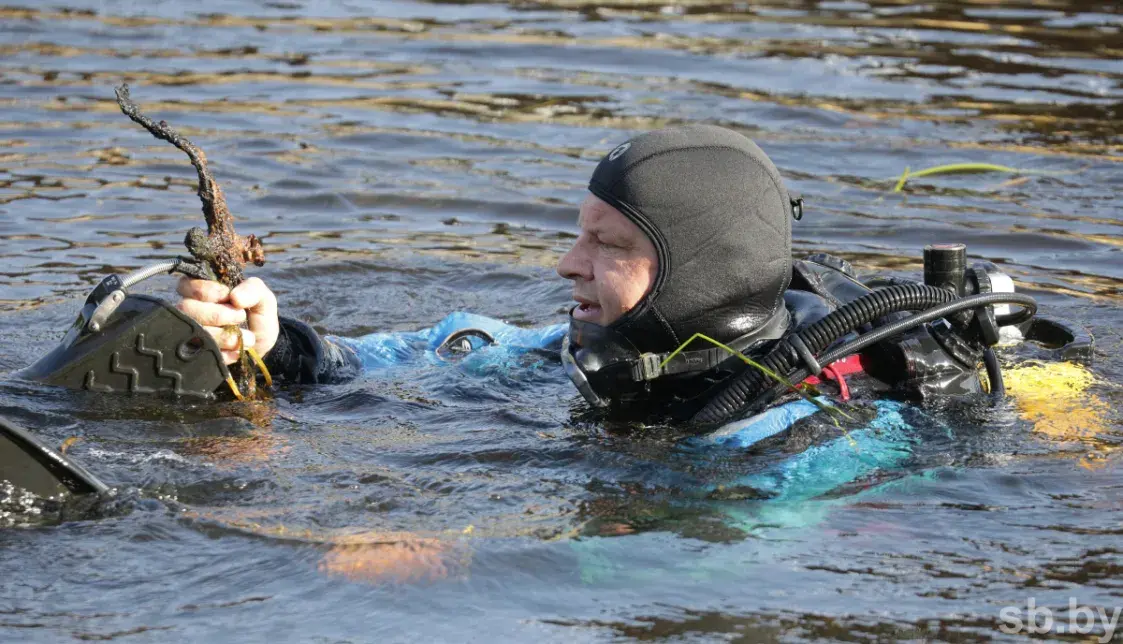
(215, 306)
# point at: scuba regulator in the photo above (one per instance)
(927, 338)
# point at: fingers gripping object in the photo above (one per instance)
(123, 342)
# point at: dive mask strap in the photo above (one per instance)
(577, 375)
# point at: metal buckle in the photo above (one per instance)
(649, 368)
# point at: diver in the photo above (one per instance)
(685, 239)
(689, 309)
(689, 312)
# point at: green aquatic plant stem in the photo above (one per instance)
(902, 180)
(953, 168)
(966, 167)
(829, 409)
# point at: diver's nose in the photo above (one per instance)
(575, 264)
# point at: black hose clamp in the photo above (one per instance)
(805, 355)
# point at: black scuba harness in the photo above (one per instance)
(598, 358)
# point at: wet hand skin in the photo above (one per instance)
(215, 306)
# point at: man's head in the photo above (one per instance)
(686, 230)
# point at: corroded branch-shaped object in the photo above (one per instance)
(220, 248)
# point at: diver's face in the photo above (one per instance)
(612, 264)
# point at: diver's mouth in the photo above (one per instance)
(587, 312)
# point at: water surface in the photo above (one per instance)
(405, 159)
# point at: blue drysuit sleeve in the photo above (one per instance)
(381, 350)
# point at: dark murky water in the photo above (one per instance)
(406, 159)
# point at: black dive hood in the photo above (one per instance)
(715, 208)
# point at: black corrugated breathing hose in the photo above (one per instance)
(785, 359)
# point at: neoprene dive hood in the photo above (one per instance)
(719, 216)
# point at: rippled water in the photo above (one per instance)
(405, 159)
